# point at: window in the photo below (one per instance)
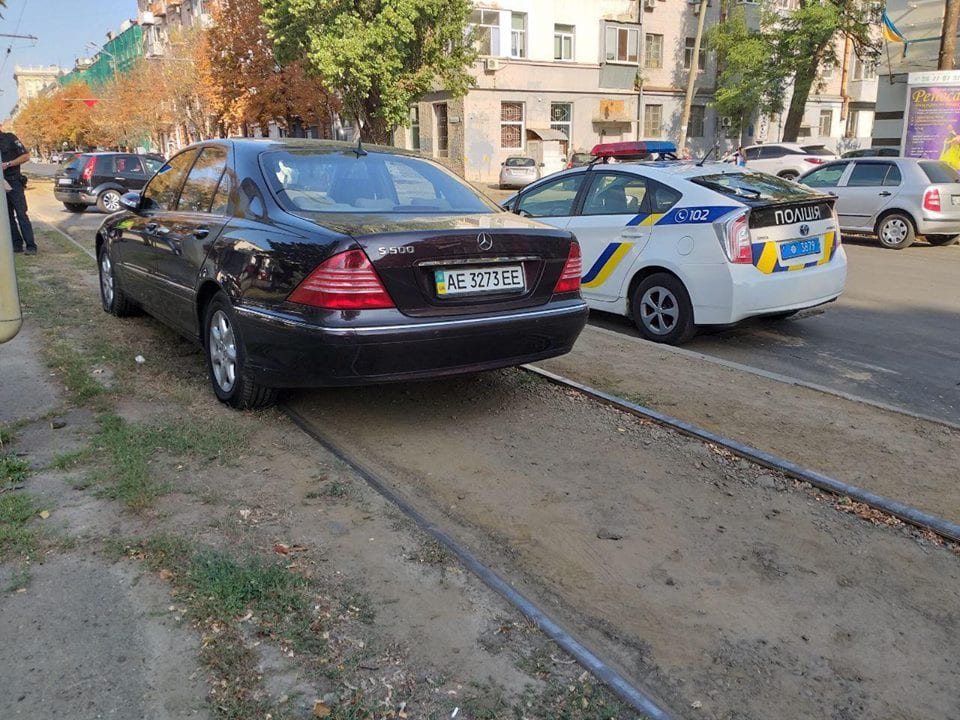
(852, 118)
(563, 42)
(826, 72)
(688, 55)
(695, 126)
(561, 118)
(826, 123)
(653, 121)
(486, 27)
(551, 199)
(653, 53)
(331, 182)
(752, 153)
(201, 185)
(511, 125)
(621, 44)
(939, 172)
(615, 194)
(162, 191)
(863, 70)
(827, 176)
(868, 175)
(221, 201)
(415, 128)
(518, 35)
(443, 138)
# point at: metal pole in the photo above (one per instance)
(692, 78)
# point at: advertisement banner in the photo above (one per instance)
(933, 123)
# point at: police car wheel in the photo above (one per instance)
(895, 231)
(662, 310)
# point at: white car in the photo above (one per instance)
(786, 160)
(678, 245)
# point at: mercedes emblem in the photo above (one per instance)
(485, 241)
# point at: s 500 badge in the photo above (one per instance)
(402, 250)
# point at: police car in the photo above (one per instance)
(676, 245)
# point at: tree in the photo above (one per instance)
(379, 56)
(242, 80)
(790, 48)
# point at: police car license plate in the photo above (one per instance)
(799, 248)
(505, 278)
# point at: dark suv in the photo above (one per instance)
(100, 178)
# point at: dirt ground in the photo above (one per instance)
(726, 591)
(913, 461)
(718, 585)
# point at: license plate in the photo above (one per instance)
(64, 181)
(955, 199)
(799, 248)
(507, 278)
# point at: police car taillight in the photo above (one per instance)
(735, 237)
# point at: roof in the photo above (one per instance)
(548, 133)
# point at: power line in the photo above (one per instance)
(16, 28)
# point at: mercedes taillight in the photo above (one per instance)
(570, 277)
(346, 281)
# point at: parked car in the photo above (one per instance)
(786, 160)
(518, 171)
(894, 199)
(872, 152)
(578, 159)
(675, 246)
(305, 263)
(100, 178)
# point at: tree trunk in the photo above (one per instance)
(948, 40)
(802, 83)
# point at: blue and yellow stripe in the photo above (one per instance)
(605, 264)
(766, 256)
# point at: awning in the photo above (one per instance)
(545, 134)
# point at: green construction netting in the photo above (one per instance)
(117, 57)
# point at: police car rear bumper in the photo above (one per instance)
(749, 292)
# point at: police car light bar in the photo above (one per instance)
(632, 149)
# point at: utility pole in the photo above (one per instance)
(692, 78)
(948, 40)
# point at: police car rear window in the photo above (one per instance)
(752, 186)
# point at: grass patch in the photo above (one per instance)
(131, 448)
(16, 537)
(13, 469)
(333, 489)
(217, 588)
(21, 579)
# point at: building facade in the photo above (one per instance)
(32, 81)
(611, 70)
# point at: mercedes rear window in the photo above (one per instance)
(753, 186)
(939, 172)
(305, 181)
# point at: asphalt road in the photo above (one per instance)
(893, 337)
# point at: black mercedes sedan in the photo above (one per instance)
(299, 263)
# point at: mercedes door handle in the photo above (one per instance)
(885, 193)
(201, 232)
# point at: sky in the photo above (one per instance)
(62, 28)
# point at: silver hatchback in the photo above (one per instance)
(894, 199)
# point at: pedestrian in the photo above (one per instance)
(741, 157)
(14, 154)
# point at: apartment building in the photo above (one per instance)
(550, 72)
(32, 81)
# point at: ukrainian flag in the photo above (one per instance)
(889, 30)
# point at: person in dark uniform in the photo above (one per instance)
(14, 154)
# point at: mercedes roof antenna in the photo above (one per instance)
(359, 148)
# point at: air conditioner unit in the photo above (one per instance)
(147, 18)
(493, 64)
(725, 122)
(649, 4)
(695, 8)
